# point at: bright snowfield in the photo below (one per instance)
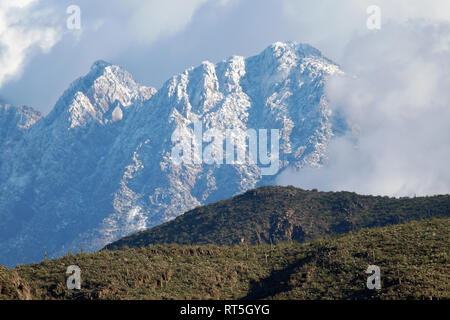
(99, 167)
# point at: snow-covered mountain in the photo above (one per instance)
(100, 165)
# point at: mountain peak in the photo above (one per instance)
(292, 48)
(100, 64)
(94, 96)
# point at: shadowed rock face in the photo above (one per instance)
(99, 166)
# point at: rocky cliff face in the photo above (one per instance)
(101, 164)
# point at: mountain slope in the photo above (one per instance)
(413, 259)
(14, 121)
(13, 287)
(281, 88)
(14, 124)
(100, 165)
(50, 172)
(274, 214)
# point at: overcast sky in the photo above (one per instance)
(395, 93)
(154, 39)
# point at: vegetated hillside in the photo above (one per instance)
(273, 214)
(413, 259)
(12, 286)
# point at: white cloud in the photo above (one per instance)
(399, 106)
(21, 30)
(152, 19)
(330, 24)
(137, 20)
(27, 26)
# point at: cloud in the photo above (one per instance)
(150, 20)
(27, 26)
(330, 25)
(128, 33)
(155, 39)
(21, 30)
(135, 21)
(395, 98)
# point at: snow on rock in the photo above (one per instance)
(100, 167)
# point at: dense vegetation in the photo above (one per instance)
(269, 243)
(277, 214)
(413, 258)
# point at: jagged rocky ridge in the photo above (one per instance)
(99, 166)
